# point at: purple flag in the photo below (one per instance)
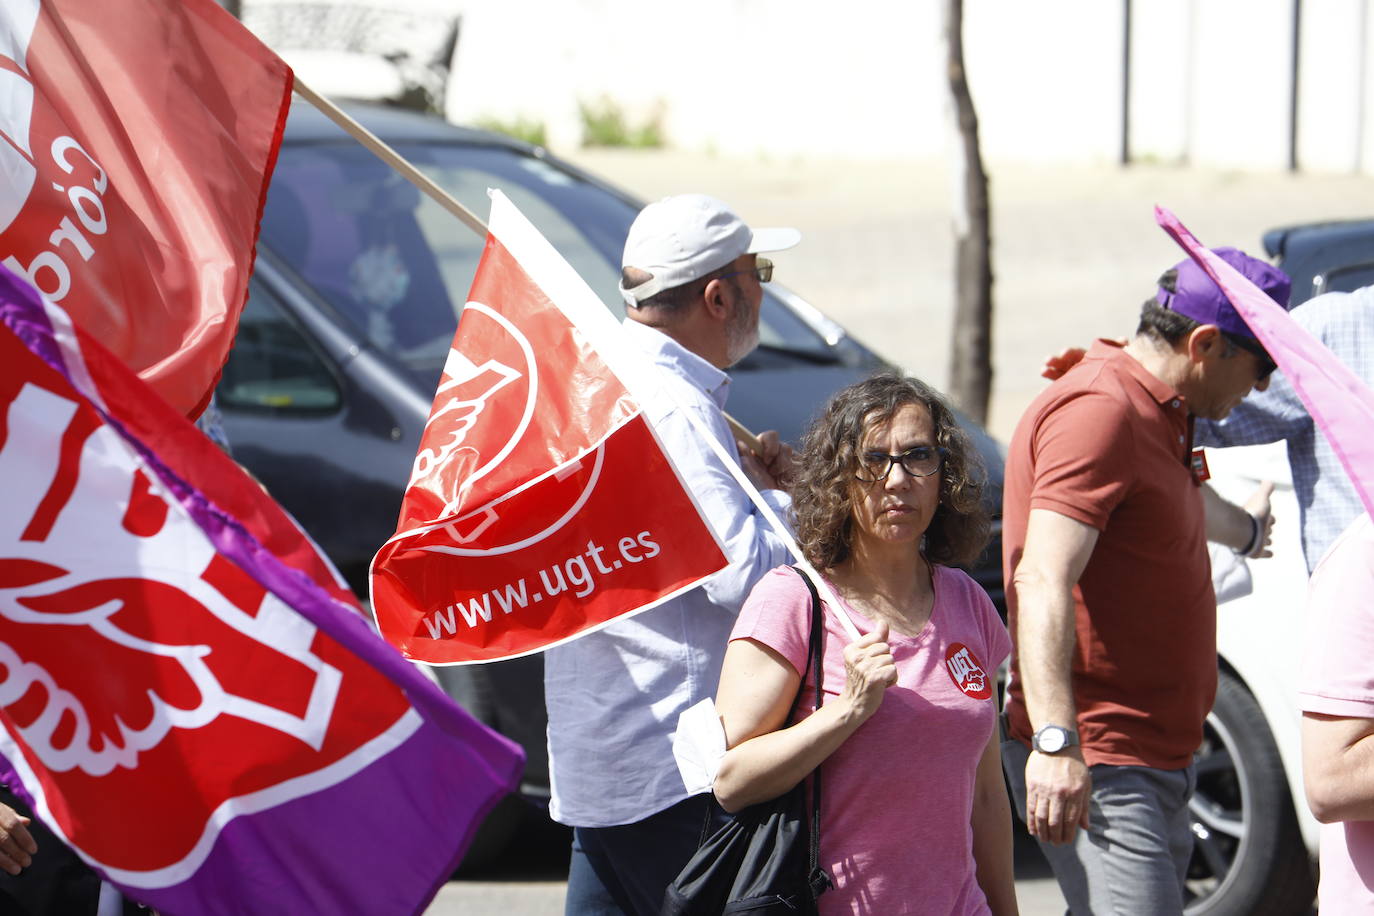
(205, 725)
(1340, 403)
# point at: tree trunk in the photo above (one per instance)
(971, 345)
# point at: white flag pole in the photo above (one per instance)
(422, 181)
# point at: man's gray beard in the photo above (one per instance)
(742, 335)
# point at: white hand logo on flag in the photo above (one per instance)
(68, 567)
(465, 389)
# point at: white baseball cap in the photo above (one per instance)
(680, 239)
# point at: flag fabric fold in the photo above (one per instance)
(137, 138)
(1340, 403)
(204, 724)
(541, 505)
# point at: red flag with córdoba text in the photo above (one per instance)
(137, 138)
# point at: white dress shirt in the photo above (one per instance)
(614, 696)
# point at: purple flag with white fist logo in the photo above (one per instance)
(203, 724)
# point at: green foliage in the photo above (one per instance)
(604, 124)
(527, 129)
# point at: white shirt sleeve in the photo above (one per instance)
(751, 543)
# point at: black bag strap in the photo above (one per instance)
(814, 658)
(818, 878)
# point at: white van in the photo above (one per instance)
(1255, 841)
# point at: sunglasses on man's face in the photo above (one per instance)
(763, 269)
(1264, 364)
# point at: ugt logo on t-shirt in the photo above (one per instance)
(966, 672)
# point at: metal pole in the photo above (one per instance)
(1126, 82)
(1296, 64)
(1363, 33)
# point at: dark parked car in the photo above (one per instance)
(1324, 257)
(356, 294)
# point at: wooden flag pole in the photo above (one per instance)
(446, 200)
(392, 158)
(742, 433)
(471, 220)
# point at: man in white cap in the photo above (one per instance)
(692, 285)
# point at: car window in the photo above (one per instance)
(397, 267)
(272, 367)
(1348, 279)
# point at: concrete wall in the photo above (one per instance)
(776, 77)
(1210, 81)
(1046, 77)
(1335, 126)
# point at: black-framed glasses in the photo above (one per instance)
(763, 269)
(921, 461)
(1266, 365)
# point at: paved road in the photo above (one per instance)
(1075, 249)
(536, 887)
(1036, 897)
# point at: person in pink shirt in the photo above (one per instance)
(914, 811)
(1337, 698)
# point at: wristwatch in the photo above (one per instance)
(1051, 739)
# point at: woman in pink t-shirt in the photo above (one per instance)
(914, 816)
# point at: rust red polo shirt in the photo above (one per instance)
(1108, 445)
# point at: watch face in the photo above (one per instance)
(1050, 739)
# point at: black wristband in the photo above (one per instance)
(1256, 534)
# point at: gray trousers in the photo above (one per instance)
(1134, 855)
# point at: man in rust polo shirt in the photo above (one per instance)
(1112, 613)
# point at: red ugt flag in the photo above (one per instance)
(201, 723)
(541, 505)
(136, 142)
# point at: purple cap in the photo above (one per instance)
(1196, 296)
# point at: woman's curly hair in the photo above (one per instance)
(822, 496)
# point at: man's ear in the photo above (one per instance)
(716, 297)
(1205, 342)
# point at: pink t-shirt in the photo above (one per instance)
(898, 794)
(1338, 680)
